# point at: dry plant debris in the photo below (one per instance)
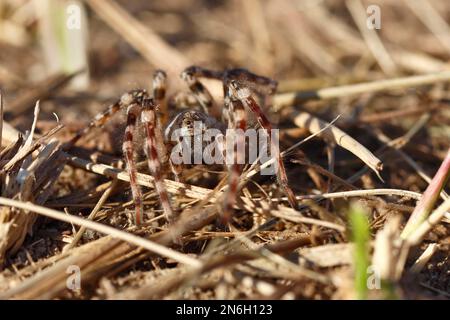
(363, 117)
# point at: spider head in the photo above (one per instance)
(189, 123)
(186, 124)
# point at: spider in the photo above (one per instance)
(143, 110)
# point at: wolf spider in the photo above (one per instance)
(143, 108)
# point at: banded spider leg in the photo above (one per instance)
(245, 97)
(236, 97)
(191, 77)
(153, 150)
(140, 108)
(239, 124)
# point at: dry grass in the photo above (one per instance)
(363, 116)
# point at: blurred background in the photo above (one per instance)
(304, 44)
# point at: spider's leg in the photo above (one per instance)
(200, 72)
(244, 95)
(161, 112)
(260, 84)
(101, 118)
(191, 76)
(149, 120)
(227, 114)
(176, 170)
(239, 124)
(132, 101)
(133, 112)
(159, 86)
(159, 94)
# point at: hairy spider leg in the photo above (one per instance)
(101, 118)
(239, 124)
(149, 120)
(138, 105)
(159, 88)
(250, 80)
(133, 112)
(191, 76)
(244, 95)
(159, 85)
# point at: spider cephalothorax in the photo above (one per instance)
(192, 126)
